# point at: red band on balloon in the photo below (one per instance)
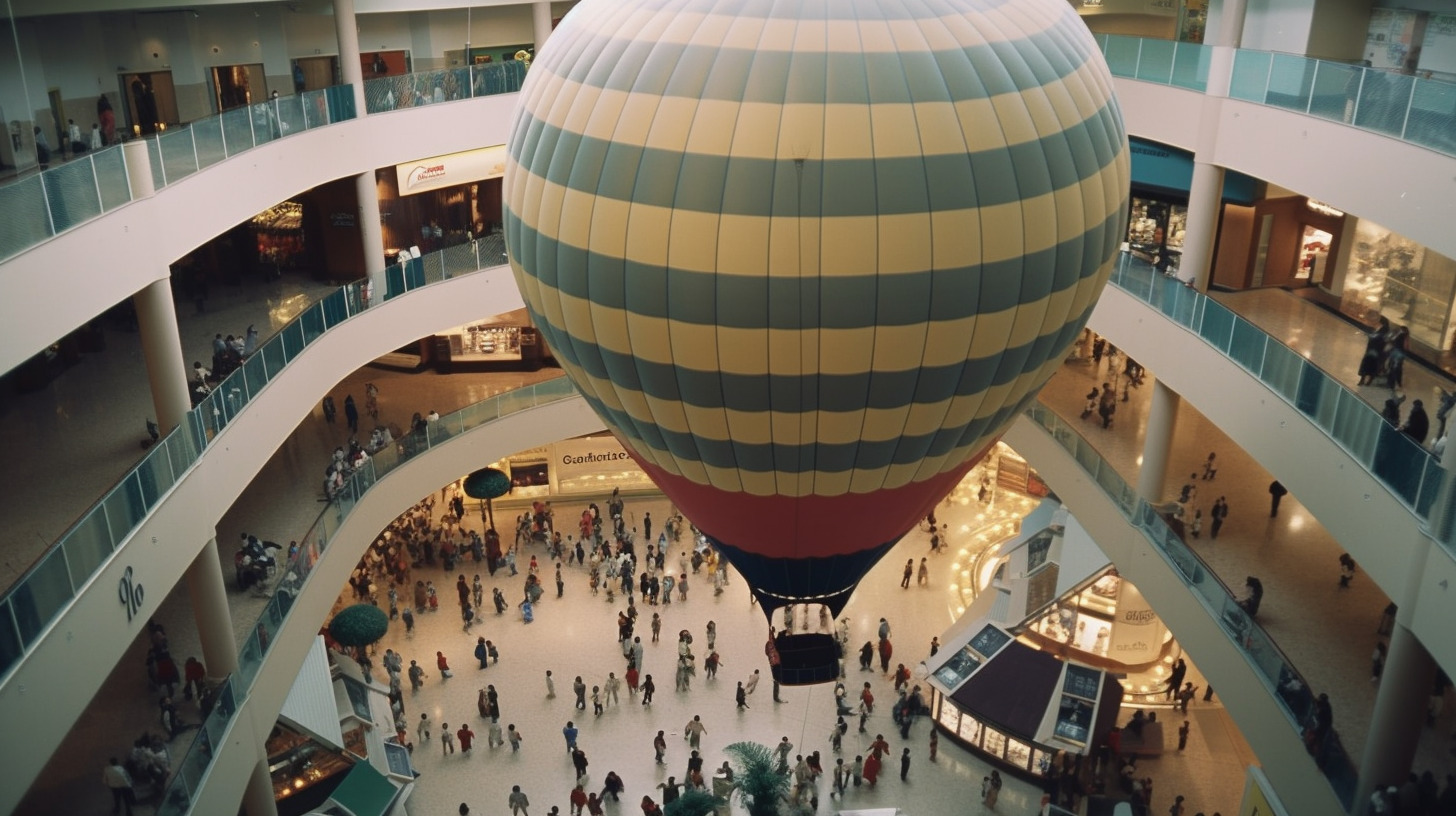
(808, 526)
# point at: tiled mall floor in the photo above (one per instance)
(81, 443)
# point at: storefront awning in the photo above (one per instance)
(1012, 691)
(365, 792)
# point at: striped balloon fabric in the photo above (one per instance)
(809, 258)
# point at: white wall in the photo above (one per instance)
(61, 289)
(45, 694)
(1278, 25)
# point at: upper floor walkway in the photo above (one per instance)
(1287, 139)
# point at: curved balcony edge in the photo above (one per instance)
(95, 629)
(222, 787)
(1266, 725)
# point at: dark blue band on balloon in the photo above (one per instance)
(779, 582)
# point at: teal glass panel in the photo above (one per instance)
(87, 547)
(289, 112)
(154, 152)
(1122, 55)
(237, 132)
(125, 507)
(41, 594)
(11, 649)
(178, 158)
(71, 193)
(27, 220)
(1356, 426)
(1333, 93)
(1290, 79)
(1432, 120)
(207, 136)
(274, 356)
(1282, 370)
(110, 171)
(1247, 347)
(1250, 80)
(1384, 98)
(1155, 61)
(1190, 66)
(254, 377)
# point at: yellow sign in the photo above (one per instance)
(1259, 798)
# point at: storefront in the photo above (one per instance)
(1158, 214)
(504, 342)
(441, 201)
(1285, 240)
(584, 466)
(1020, 706)
(1389, 275)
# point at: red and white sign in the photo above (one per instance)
(451, 169)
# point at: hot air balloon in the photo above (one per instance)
(808, 259)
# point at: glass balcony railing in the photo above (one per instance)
(447, 85)
(1412, 109)
(192, 770)
(52, 583)
(44, 205)
(1411, 473)
(1181, 64)
(1281, 679)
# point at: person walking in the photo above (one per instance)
(1218, 514)
(923, 578)
(518, 802)
(447, 739)
(351, 414)
(1277, 492)
(118, 781)
(909, 570)
(659, 748)
(741, 697)
(991, 789)
(904, 764)
(1183, 735)
(648, 687)
(579, 688)
(569, 733)
(693, 732)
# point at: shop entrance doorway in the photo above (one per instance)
(1314, 255)
(234, 86)
(150, 100)
(315, 73)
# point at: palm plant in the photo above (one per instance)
(694, 803)
(760, 786)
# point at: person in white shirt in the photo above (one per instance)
(95, 136)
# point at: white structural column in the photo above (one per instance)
(208, 595)
(1405, 684)
(1157, 442)
(541, 23)
(162, 351)
(347, 29)
(1205, 194)
(258, 796)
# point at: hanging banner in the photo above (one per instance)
(1137, 633)
(451, 169)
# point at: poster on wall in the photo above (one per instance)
(1438, 47)
(1389, 38)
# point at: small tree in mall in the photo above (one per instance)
(760, 786)
(358, 627)
(694, 803)
(487, 484)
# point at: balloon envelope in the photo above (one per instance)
(809, 258)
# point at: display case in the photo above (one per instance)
(485, 342)
(1391, 276)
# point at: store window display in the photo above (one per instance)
(1391, 276)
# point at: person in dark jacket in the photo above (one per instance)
(1417, 424)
